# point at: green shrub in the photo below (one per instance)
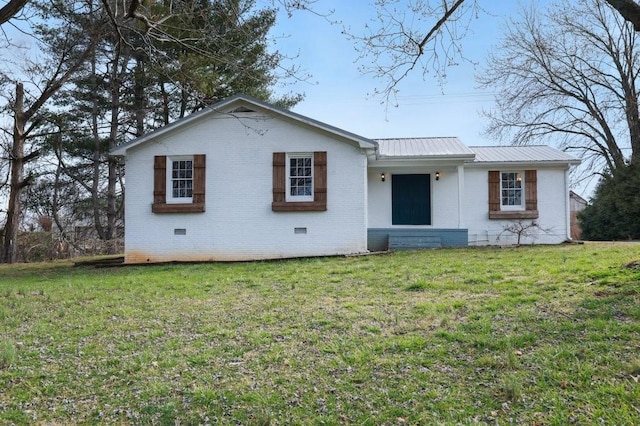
(614, 211)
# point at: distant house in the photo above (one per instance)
(245, 180)
(576, 205)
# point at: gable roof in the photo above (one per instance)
(578, 198)
(244, 103)
(428, 147)
(522, 154)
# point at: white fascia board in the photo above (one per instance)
(418, 161)
(522, 164)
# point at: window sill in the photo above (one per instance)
(522, 214)
(306, 206)
(178, 208)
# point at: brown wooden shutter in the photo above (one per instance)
(199, 173)
(279, 177)
(160, 187)
(531, 189)
(320, 178)
(159, 179)
(531, 197)
(280, 203)
(494, 191)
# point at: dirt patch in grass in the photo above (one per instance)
(633, 265)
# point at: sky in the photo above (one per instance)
(337, 93)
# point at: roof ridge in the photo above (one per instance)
(508, 146)
(416, 137)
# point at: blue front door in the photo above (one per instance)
(410, 200)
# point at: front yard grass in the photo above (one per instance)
(533, 335)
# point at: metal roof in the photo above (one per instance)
(521, 154)
(423, 147)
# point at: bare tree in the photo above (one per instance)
(414, 36)
(426, 36)
(523, 230)
(569, 76)
(49, 77)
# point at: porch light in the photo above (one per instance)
(382, 178)
(437, 175)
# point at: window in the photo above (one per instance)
(182, 189)
(299, 182)
(511, 191)
(180, 180)
(513, 195)
(299, 177)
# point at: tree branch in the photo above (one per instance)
(438, 24)
(11, 9)
(630, 11)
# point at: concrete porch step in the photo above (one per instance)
(407, 242)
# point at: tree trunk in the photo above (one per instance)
(633, 121)
(633, 116)
(55, 199)
(138, 92)
(116, 79)
(112, 211)
(165, 104)
(18, 182)
(96, 157)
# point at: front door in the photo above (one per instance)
(410, 200)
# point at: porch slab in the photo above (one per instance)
(407, 242)
(380, 239)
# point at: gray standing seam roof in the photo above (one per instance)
(520, 154)
(423, 147)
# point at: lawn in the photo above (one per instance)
(530, 335)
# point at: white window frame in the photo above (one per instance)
(169, 192)
(298, 198)
(510, 207)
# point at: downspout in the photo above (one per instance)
(370, 155)
(460, 170)
(567, 203)
(366, 202)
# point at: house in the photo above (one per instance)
(576, 205)
(246, 180)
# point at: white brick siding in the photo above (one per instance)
(238, 223)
